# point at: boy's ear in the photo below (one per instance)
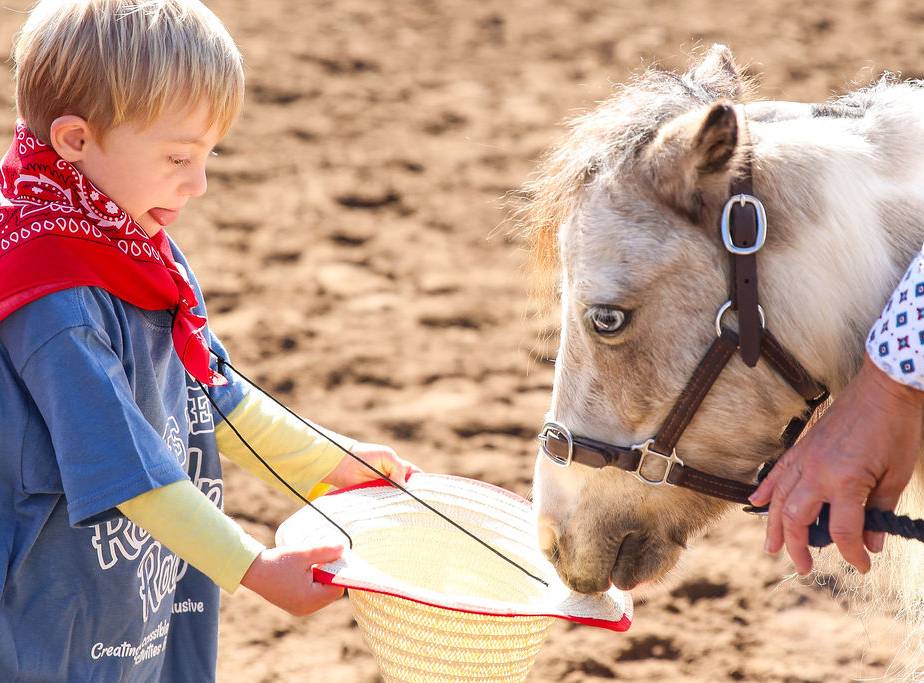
(692, 157)
(69, 135)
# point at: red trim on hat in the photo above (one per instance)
(330, 579)
(381, 483)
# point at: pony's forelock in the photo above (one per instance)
(599, 142)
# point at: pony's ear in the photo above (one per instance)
(692, 157)
(718, 74)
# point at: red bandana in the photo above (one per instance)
(57, 231)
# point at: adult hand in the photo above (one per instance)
(350, 471)
(860, 454)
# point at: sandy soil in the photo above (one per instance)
(352, 261)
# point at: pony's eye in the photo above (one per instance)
(607, 320)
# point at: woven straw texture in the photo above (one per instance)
(418, 643)
(434, 605)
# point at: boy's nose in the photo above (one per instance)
(195, 184)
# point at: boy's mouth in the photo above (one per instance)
(163, 217)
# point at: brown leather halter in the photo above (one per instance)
(743, 228)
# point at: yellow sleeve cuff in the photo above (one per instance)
(181, 517)
(298, 454)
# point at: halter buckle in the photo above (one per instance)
(646, 449)
(742, 200)
(561, 433)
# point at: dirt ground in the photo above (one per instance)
(353, 262)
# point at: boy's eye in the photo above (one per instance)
(179, 161)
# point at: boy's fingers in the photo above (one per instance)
(323, 554)
(316, 596)
(403, 470)
(325, 594)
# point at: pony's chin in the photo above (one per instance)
(642, 564)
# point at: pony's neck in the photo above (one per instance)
(844, 223)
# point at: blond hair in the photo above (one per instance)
(117, 61)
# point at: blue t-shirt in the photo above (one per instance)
(96, 408)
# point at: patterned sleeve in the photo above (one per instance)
(896, 341)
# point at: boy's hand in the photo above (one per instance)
(282, 576)
(382, 458)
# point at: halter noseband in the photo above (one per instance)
(743, 228)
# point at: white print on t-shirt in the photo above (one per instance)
(148, 648)
(159, 570)
(199, 412)
(189, 605)
(174, 442)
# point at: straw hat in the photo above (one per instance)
(432, 603)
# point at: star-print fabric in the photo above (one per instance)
(58, 230)
(896, 341)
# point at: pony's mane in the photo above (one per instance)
(598, 142)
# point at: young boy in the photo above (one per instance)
(112, 538)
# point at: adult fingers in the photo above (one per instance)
(846, 528)
(874, 541)
(884, 497)
(801, 509)
(764, 492)
(786, 473)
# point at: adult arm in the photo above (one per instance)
(862, 451)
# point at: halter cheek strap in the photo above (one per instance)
(743, 227)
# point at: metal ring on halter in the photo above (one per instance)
(645, 449)
(563, 433)
(742, 200)
(724, 307)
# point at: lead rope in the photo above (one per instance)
(222, 363)
(819, 535)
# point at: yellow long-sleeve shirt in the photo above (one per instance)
(183, 519)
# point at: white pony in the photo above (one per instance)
(626, 211)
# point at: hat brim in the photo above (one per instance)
(374, 510)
